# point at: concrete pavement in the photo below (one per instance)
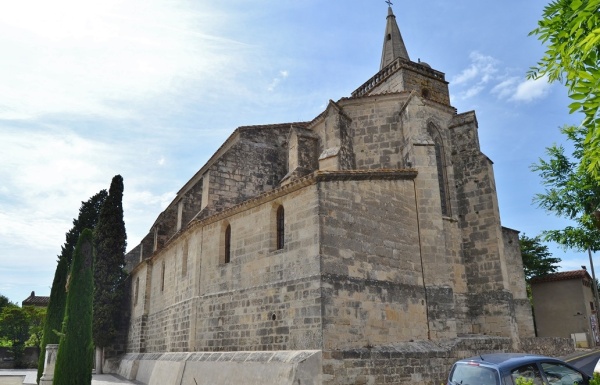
(29, 377)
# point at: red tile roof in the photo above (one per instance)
(562, 276)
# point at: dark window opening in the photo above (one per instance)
(162, 279)
(136, 291)
(425, 93)
(280, 228)
(184, 259)
(227, 258)
(440, 161)
(389, 36)
(442, 180)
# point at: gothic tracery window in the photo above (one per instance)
(440, 160)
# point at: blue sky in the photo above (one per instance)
(149, 89)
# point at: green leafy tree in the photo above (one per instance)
(537, 259)
(74, 360)
(571, 31)
(110, 241)
(571, 192)
(89, 212)
(4, 301)
(35, 317)
(14, 326)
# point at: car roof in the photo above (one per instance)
(504, 360)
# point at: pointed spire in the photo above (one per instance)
(393, 45)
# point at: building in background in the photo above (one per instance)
(563, 306)
(36, 300)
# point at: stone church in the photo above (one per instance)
(362, 247)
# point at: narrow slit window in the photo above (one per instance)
(227, 258)
(136, 291)
(162, 278)
(184, 259)
(280, 228)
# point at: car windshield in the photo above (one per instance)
(469, 374)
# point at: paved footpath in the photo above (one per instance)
(27, 377)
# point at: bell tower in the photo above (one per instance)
(398, 73)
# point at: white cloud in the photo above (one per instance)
(283, 74)
(481, 69)
(483, 72)
(466, 75)
(517, 90)
(531, 90)
(57, 170)
(89, 57)
(476, 76)
(505, 88)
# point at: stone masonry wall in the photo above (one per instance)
(416, 77)
(192, 203)
(423, 362)
(373, 290)
(437, 254)
(516, 275)
(376, 131)
(414, 363)
(255, 164)
(278, 316)
(491, 310)
(263, 299)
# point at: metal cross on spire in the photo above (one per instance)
(389, 2)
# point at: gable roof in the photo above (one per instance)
(34, 300)
(562, 276)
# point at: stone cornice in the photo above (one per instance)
(294, 185)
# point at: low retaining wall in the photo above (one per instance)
(208, 368)
(424, 362)
(415, 363)
(29, 361)
(548, 346)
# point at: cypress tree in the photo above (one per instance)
(110, 241)
(88, 216)
(74, 359)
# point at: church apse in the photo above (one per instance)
(368, 237)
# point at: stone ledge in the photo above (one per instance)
(204, 368)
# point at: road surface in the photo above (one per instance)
(586, 363)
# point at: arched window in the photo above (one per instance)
(227, 255)
(280, 228)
